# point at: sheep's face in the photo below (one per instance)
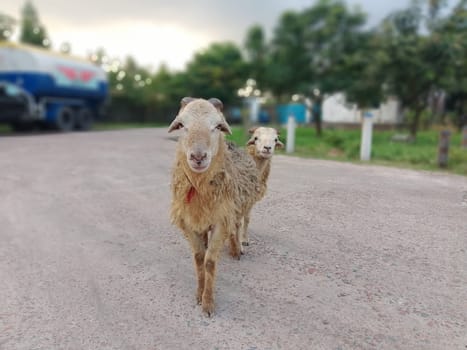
(265, 140)
(202, 125)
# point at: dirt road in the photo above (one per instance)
(342, 256)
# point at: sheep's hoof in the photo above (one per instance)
(236, 255)
(208, 308)
(245, 244)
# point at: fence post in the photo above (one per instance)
(290, 144)
(367, 135)
(443, 148)
(254, 109)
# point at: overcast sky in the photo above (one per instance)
(170, 31)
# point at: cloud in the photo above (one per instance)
(150, 43)
(153, 31)
(170, 31)
(219, 18)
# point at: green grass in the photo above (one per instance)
(4, 128)
(344, 145)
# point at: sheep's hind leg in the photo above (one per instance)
(235, 246)
(244, 240)
(216, 243)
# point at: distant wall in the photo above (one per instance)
(337, 110)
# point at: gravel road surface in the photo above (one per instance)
(342, 256)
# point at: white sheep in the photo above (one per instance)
(213, 187)
(261, 147)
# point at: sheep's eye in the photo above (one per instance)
(275, 140)
(256, 138)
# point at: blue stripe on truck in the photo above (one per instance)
(43, 84)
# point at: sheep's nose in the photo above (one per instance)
(267, 148)
(198, 157)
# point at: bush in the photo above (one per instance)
(335, 140)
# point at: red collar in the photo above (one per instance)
(189, 196)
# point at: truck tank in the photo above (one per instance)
(40, 85)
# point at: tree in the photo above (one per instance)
(415, 64)
(134, 83)
(256, 51)
(454, 31)
(289, 65)
(32, 30)
(169, 87)
(366, 72)
(219, 71)
(311, 51)
(7, 25)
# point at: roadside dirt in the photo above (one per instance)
(342, 256)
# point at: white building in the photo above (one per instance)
(337, 110)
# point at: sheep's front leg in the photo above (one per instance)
(199, 251)
(216, 243)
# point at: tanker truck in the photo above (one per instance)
(39, 86)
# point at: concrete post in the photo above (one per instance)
(367, 135)
(443, 148)
(254, 109)
(290, 145)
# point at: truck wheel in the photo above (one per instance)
(65, 119)
(84, 119)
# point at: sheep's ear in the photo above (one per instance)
(217, 103)
(252, 130)
(224, 127)
(251, 141)
(185, 101)
(278, 131)
(279, 144)
(175, 125)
